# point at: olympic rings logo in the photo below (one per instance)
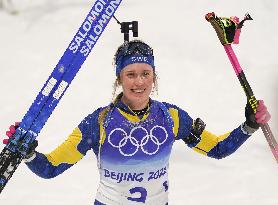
(128, 145)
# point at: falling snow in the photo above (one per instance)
(194, 73)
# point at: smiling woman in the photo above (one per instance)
(135, 73)
(133, 136)
(136, 80)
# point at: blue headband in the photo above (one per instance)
(133, 58)
(135, 51)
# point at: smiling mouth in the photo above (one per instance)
(138, 90)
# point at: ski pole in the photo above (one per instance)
(228, 31)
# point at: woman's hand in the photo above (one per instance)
(11, 132)
(261, 116)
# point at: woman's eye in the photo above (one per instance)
(130, 74)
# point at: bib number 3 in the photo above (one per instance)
(142, 192)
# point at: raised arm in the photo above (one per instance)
(193, 133)
(82, 139)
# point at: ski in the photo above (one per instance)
(55, 87)
(228, 31)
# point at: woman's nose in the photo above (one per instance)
(139, 80)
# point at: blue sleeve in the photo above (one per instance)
(43, 168)
(82, 139)
(228, 145)
(182, 121)
(90, 130)
(209, 144)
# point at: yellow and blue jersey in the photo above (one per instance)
(133, 151)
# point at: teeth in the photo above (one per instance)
(138, 91)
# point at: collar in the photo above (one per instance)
(118, 103)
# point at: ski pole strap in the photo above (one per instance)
(228, 29)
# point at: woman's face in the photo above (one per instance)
(137, 80)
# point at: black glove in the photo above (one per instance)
(195, 133)
(250, 117)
